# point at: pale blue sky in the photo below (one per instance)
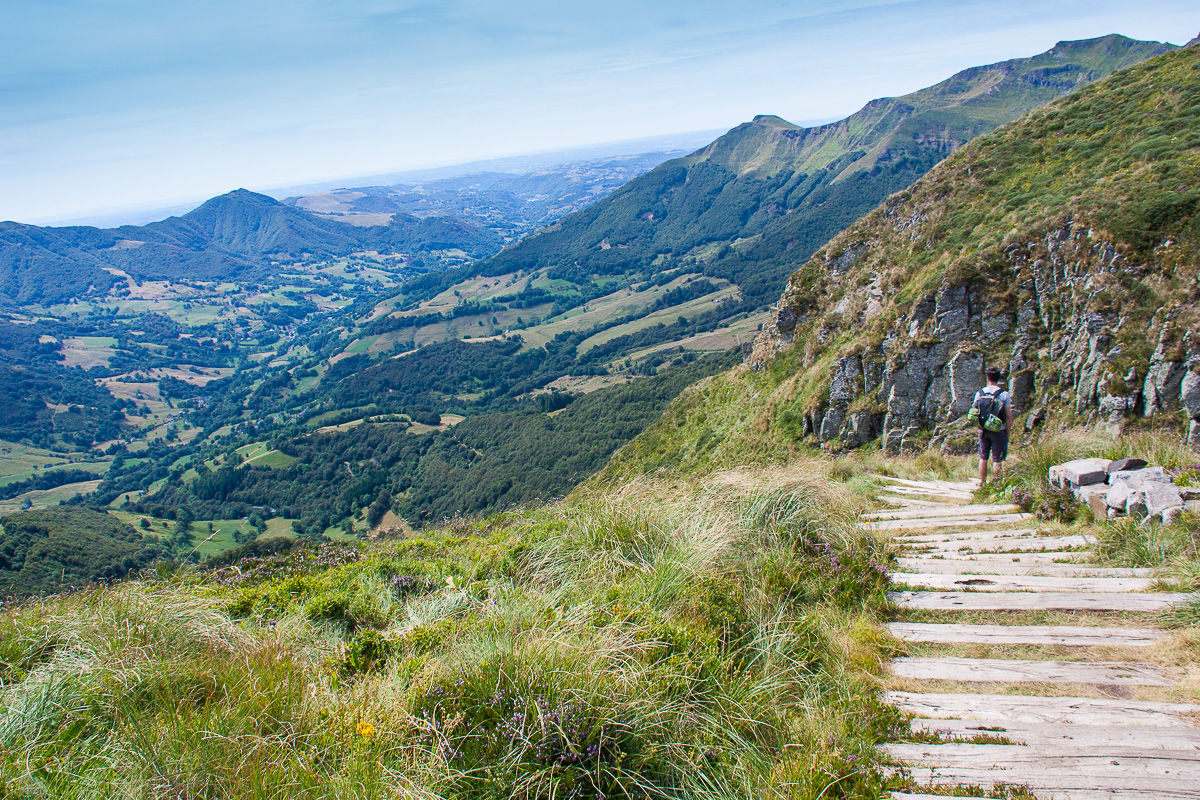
(112, 103)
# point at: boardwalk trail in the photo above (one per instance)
(1070, 708)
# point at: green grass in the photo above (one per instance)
(220, 539)
(361, 345)
(656, 641)
(95, 467)
(252, 450)
(50, 497)
(272, 458)
(17, 461)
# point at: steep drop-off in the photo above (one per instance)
(1063, 247)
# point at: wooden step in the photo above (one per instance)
(945, 511)
(924, 537)
(943, 494)
(1039, 601)
(968, 753)
(1022, 557)
(1142, 737)
(1020, 670)
(996, 709)
(911, 502)
(1170, 775)
(1061, 635)
(946, 522)
(957, 486)
(1030, 564)
(1011, 545)
(978, 582)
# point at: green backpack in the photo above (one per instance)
(987, 410)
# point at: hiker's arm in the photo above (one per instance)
(1008, 413)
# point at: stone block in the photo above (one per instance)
(1189, 492)
(1095, 497)
(1191, 506)
(1118, 495)
(1138, 477)
(1152, 499)
(1081, 472)
(1125, 465)
(1171, 514)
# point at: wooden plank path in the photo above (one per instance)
(957, 555)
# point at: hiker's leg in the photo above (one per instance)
(1000, 451)
(985, 447)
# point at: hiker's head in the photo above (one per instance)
(993, 374)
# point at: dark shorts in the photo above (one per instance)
(994, 442)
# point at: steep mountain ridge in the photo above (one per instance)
(759, 200)
(235, 235)
(1064, 247)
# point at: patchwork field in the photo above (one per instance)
(88, 351)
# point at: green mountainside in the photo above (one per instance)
(757, 202)
(1064, 247)
(235, 236)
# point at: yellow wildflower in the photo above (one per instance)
(365, 729)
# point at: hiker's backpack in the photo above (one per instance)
(987, 410)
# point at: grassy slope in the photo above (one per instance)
(659, 641)
(1122, 156)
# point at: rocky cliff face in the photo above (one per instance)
(1063, 248)
(1061, 347)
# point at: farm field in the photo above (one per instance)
(667, 315)
(18, 461)
(718, 341)
(48, 497)
(88, 351)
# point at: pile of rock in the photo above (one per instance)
(1126, 486)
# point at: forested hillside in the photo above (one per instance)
(1064, 247)
(53, 549)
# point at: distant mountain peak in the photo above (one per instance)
(241, 196)
(774, 121)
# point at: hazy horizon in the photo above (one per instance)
(135, 104)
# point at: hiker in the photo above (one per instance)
(992, 409)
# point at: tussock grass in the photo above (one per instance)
(709, 639)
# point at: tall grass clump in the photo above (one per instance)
(657, 640)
